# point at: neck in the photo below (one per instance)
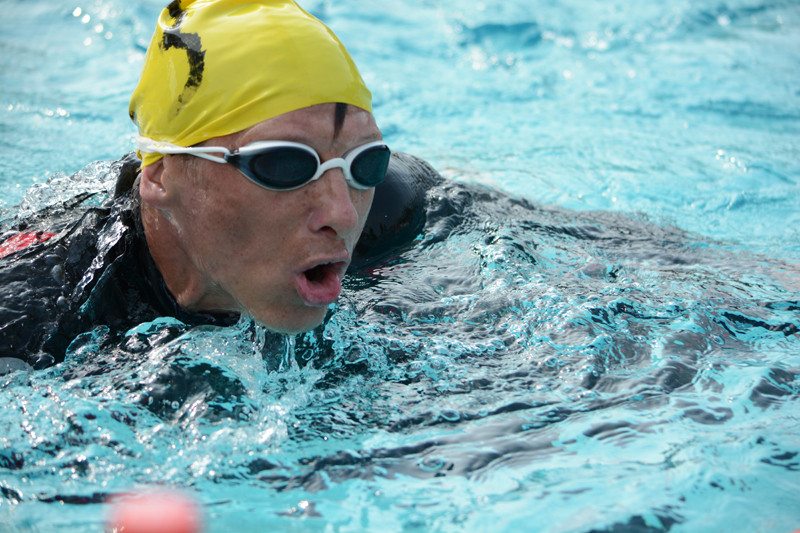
(191, 289)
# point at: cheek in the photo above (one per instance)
(227, 203)
(211, 215)
(216, 223)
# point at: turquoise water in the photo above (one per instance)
(618, 352)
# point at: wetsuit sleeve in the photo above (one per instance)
(398, 210)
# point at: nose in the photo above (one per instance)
(335, 205)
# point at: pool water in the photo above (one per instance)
(598, 330)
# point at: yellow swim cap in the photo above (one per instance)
(215, 67)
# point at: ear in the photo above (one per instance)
(151, 185)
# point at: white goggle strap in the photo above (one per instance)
(149, 146)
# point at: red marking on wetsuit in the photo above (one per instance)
(22, 240)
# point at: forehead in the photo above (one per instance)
(316, 126)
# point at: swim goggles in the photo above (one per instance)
(285, 165)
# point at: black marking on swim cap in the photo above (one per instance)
(175, 9)
(190, 42)
(174, 38)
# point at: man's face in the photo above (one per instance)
(278, 255)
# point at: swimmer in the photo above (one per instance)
(263, 178)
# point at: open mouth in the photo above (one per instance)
(316, 274)
(321, 284)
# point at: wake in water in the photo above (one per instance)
(518, 354)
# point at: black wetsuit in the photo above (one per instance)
(90, 266)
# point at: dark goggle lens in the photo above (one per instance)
(283, 168)
(369, 167)
(289, 167)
